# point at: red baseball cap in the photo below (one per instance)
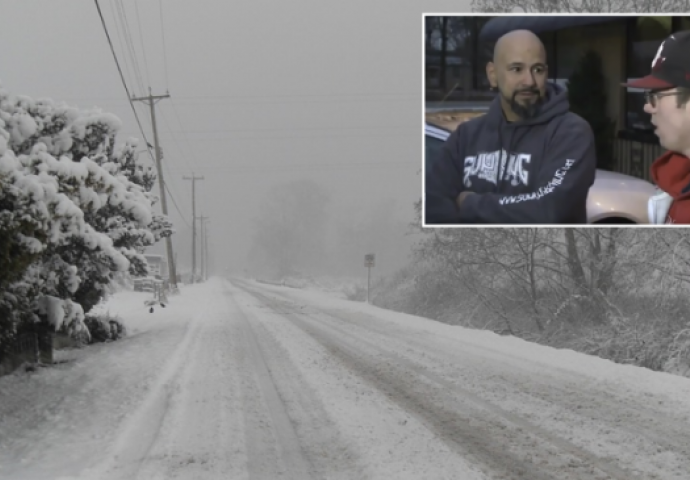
(670, 67)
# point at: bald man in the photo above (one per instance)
(529, 160)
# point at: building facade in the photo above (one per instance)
(158, 266)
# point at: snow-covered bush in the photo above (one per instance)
(76, 210)
(105, 327)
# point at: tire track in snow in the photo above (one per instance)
(603, 416)
(642, 431)
(322, 444)
(348, 429)
(290, 461)
(664, 431)
(141, 430)
(490, 438)
(199, 438)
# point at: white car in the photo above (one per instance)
(614, 198)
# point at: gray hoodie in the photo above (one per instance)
(551, 163)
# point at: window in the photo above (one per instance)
(433, 75)
(570, 51)
(452, 49)
(485, 54)
(461, 42)
(484, 51)
(549, 41)
(645, 35)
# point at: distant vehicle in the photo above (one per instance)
(614, 198)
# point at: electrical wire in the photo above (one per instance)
(165, 55)
(141, 40)
(130, 43)
(174, 139)
(124, 83)
(184, 131)
(165, 165)
(305, 95)
(122, 48)
(176, 207)
(216, 101)
(313, 138)
(311, 167)
(119, 25)
(301, 129)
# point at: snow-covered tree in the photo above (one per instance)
(75, 210)
(33, 216)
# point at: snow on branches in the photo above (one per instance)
(76, 209)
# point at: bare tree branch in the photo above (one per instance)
(581, 6)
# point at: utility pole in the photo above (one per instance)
(369, 260)
(151, 101)
(201, 248)
(206, 249)
(193, 178)
(204, 246)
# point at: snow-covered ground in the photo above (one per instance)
(335, 286)
(245, 380)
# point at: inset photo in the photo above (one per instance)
(556, 120)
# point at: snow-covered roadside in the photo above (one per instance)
(335, 286)
(38, 411)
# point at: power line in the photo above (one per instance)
(311, 167)
(169, 174)
(165, 56)
(124, 84)
(130, 44)
(335, 98)
(174, 138)
(296, 95)
(301, 137)
(184, 131)
(301, 129)
(174, 186)
(141, 40)
(224, 102)
(120, 37)
(176, 207)
(168, 170)
(307, 95)
(119, 25)
(136, 116)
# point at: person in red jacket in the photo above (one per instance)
(668, 102)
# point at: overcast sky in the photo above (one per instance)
(262, 92)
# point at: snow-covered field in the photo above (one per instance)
(245, 380)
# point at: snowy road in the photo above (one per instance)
(248, 381)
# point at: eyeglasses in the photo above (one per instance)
(651, 97)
